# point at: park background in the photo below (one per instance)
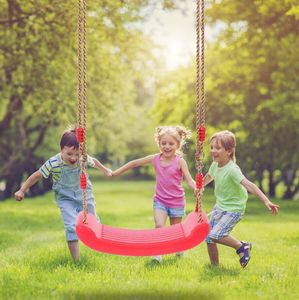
(141, 74)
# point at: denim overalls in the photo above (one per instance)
(68, 196)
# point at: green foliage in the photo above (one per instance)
(251, 86)
(38, 91)
(35, 262)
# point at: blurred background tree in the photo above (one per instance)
(251, 85)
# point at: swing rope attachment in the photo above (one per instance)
(82, 99)
(200, 103)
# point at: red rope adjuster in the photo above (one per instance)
(199, 181)
(83, 181)
(202, 133)
(80, 135)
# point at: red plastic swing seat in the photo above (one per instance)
(147, 242)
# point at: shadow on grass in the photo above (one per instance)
(211, 271)
(144, 295)
(152, 264)
(58, 261)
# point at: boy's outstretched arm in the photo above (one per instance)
(133, 164)
(32, 179)
(253, 189)
(100, 166)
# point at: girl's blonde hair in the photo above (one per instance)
(179, 133)
(227, 140)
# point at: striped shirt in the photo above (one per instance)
(53, 166)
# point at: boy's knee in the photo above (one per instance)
(214, 240)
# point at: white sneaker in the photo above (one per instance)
(179, 254)
(157, 258)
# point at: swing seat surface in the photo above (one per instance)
(145, 242)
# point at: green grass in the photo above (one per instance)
(35, 263)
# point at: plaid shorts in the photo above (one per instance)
(222, 223)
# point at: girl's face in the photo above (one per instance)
(219, 154)
(70, 155)
(168, 145)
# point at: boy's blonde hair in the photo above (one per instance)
(227, 140)
(179, 133)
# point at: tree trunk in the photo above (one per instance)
(259, 175)
(272, 184)
(11, 186)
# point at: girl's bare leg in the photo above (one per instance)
(160, 217)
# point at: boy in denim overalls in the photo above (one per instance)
(65, 170)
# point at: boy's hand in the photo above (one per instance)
(19, 195)
(108, 172)
(273, 207)
(197, 191)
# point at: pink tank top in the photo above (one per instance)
(169, 190)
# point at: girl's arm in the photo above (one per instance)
(100, 166)
(190, 181)
(253, 189)
(133, 164)
(31, 180)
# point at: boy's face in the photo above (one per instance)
(70, 155)
(218, 153)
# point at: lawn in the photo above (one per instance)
(35, 263)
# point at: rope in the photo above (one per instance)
(200, 99)
(82, 93)
(200, 94)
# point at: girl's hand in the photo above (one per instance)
(19, 195)
(108, 172)
(273, 207)
(198, 191)
(115, 173)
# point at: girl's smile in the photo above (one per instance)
(168, 146)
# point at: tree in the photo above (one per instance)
(33, 45)
(38, 79)
(260, 44)
(251, 86)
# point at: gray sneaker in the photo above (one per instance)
(157, 258)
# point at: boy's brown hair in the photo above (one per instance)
(228, 140)
(69, 138)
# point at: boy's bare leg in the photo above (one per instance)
(213, 253)
(230, 242)
(74, 249)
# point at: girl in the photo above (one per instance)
(170, 168)
(231, 188)
(65, 170)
